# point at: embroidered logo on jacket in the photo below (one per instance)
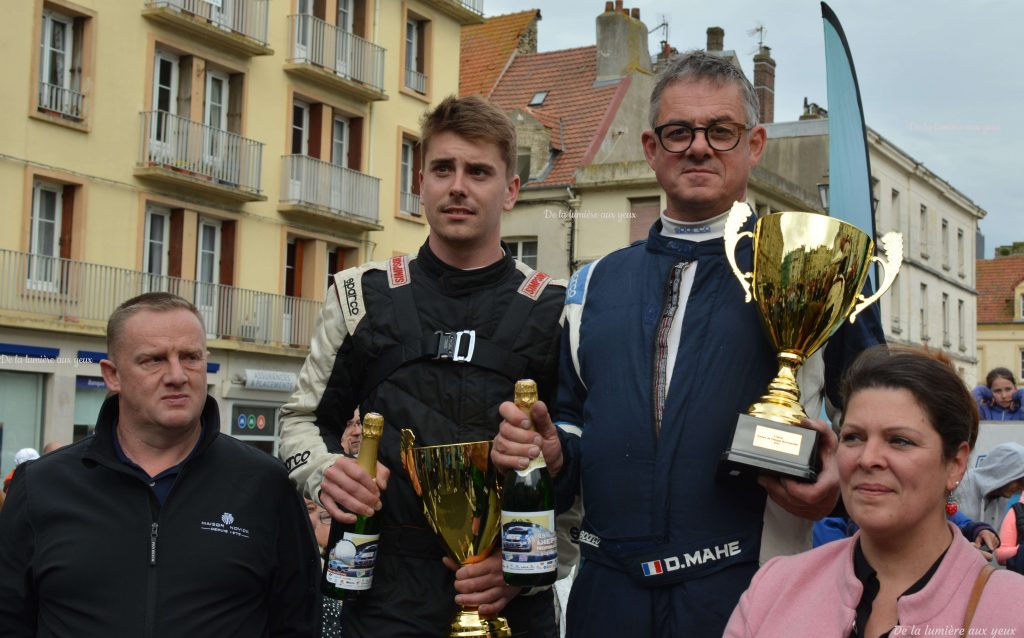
(693, 559)
(398, 271)
(296, 461)
(226, 525)
(351, 299)
(533, 286)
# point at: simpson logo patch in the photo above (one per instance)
(398, 271)
(533, 286)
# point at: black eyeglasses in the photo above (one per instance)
(677, 138)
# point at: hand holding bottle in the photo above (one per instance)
(348, 490)
(516, 444)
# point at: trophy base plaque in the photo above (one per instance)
(760, 445)
(469, 624)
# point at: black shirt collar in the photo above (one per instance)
(868, 577)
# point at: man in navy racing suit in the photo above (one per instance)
(659, 356)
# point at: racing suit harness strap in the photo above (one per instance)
(459, 346)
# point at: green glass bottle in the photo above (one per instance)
(352, 547)
(529, 546)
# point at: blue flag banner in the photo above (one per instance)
(849, 169)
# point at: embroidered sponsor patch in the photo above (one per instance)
(695, 558)
(652, 568)
(398, 271)
(226, 525)
(577, 285)
(351, 297)
(589, 539)
(533, 286)
(296, 461)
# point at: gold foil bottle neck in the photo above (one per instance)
(373, 425)
(526, 393)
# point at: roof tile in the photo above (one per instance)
(486, 49)
(996, 280)
(573, 109)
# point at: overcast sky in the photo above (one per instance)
(941, 79)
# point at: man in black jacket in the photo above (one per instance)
(434, 342)
(158, 525)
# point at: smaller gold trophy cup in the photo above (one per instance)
(459, 489)
(809, 270)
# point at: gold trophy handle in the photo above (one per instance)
(892, 244)
(733, 223)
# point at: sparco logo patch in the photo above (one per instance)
(298, 460)
(350, 296)
(590, 539)
(398, 271)
(533, 286)
(696, 558)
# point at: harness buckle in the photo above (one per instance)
(450, 345)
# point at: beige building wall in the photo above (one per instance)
(85, 142)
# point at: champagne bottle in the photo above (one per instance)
(352, 547)
(529, 546)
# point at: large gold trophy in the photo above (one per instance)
(809, 270)
(459, 489)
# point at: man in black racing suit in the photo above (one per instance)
(433, 342)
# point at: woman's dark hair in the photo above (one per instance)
(1000, 373)
(930, 377)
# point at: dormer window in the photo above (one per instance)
(538, 98)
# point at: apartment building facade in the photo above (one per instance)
(235, 152)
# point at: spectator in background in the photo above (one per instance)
(999, 476)
(52, 446)
(1011, 553)
(158, 525)
(352, 436)
(21, 456)
(999, 399)
(320, 519)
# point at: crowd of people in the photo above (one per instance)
(159, 525)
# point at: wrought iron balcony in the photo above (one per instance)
(210, 159)
(409, 203)
(64, 101)
(463, 11)
(326, 54)
(416, 81)
(84, 294)
(232, 25)
(313, 186)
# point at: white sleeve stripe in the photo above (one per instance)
(569, 428)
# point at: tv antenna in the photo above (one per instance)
(759, 30)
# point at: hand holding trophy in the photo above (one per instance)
(459, 489)
(809, 270)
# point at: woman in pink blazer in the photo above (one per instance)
(906, 433)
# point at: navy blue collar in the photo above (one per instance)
(162, 482)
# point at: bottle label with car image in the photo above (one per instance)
(529, 545)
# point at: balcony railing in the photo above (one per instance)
(312, 182)
(244, 17)
(476, 6)
(409, 203)
(77, 292)
(416, 81)
(316, 42)
(200, 151)
(65, 101)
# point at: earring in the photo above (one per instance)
(951, 504)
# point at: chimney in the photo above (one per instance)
(764, 84)
(621, 43)
(716, 39)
